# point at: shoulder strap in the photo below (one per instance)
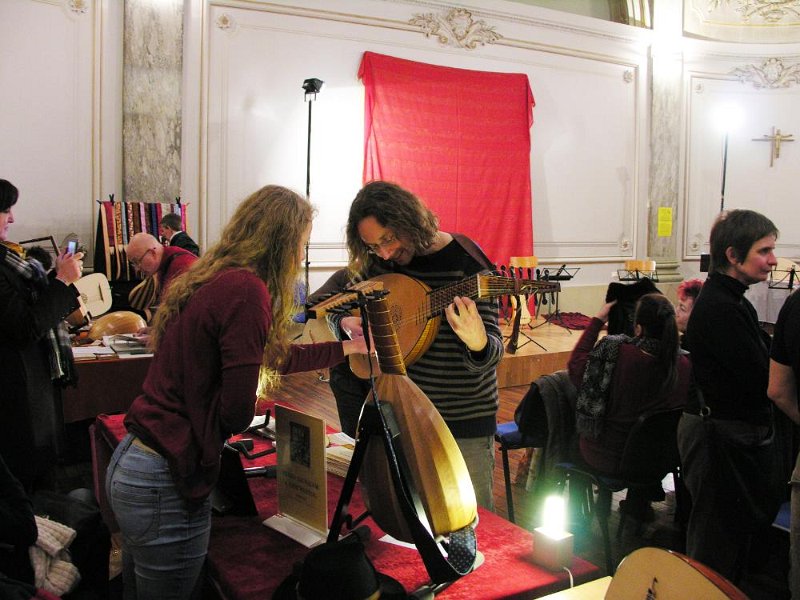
(473, 250)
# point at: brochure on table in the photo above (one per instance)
(302, 478)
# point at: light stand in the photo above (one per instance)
(727, 118)
(311, 87)
(724, 172)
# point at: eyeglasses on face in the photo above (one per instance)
(138, 261)
(384, 242)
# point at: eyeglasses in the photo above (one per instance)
(138, 261)
(386, 241)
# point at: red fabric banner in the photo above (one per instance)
(459, 140)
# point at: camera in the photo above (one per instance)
(72, 246)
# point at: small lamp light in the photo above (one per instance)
(552, 543)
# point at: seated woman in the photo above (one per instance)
(620, 377)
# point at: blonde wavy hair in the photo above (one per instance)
(263, 237)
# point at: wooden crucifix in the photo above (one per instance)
(775, 141)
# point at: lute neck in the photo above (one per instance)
(478, 286)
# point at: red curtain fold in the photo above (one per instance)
(460, 140)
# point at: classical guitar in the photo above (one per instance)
(94, 299)
(416, 310)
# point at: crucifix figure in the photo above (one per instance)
(775, 141)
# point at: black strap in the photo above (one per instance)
(473, 250)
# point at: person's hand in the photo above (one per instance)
(351, 326)
(355, 346)
(464, 318)
(69, 267)
(143, 335)
(602, 314)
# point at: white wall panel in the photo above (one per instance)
(587, 165)
(46, 118)
(750, 181)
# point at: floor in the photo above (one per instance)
(765, 580)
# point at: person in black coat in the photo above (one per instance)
(35, 354)
(174, 236)
(18, 531)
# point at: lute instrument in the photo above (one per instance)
(435, 478)
(416, 310)
(438, 470)
(658, 574)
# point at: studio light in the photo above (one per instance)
(311, 87)
(728, 118)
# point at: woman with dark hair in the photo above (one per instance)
(620, 377)
(219, 334)
(35, 354)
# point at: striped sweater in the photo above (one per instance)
(461, 384)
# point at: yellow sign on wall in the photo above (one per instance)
(664, 221)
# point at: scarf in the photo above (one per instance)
(592, 401)
(59, 348)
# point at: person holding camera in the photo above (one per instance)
(35, 352)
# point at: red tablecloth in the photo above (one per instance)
(248, 560)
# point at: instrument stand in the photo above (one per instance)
(563, 274)
(377, 422)
(513, 340)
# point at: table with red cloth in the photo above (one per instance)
(105, 385)
(247, 560)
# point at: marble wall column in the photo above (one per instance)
(151, 130)
(665, 127)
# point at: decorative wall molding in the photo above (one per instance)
(456, 28)
(771, 74)
(770, 11)
(754, 21)
(224, 21)
(79, 6)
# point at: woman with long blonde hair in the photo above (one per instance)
(220, 324)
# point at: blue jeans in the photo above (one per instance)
(164, 544)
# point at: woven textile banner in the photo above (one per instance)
(459, 140)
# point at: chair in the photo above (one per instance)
(784, 517)
(509, 438)
(650, 452)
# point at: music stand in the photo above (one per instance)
(563, 273)
(634, 270)
(782, 279)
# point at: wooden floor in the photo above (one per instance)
(542, 347)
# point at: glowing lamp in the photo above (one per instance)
(552, 543)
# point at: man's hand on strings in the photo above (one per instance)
(466, 322)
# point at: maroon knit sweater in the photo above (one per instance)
(631, 394)
(201, 385)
